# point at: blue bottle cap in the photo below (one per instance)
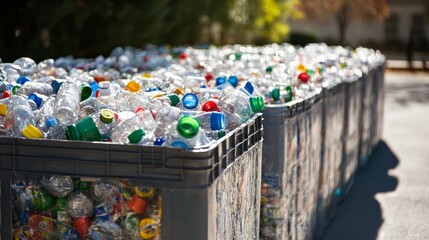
(179, 144)
(217, 121)
(38, 100)
(56, 84)
(190, 101)
(51, 121)
(23, 79)
(233, 80)
(94, 86)
(152, 89)
(220, 80)
(249, 87)
(159, 141)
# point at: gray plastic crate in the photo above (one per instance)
(352, 112)
(379, 79)
(365, 121)
(331, 155)
(308, 170)
(210, 193)
(290, 166)
(279, 171)
(375, 107)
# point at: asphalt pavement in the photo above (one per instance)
(390, 198)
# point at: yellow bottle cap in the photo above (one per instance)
(158, 95)
(301, 68)
(146, 75)
(179, 91)
(144, 192)
(107, 115)
(3, 109)
(31, 132)
(133, 86)
(148, 228)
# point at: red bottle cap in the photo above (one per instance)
(210, 106)
(137, 204)
(209, 77)
(6, 94)
(183, 56)
(303, 77)
(99, 78)
(82, 226)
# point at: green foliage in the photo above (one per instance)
(272, 20)
(85, 28)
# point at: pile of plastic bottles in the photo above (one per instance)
(180, 105)
(183, 97)
(58, 207)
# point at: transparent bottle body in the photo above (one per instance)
(18, 116)
(67, 102)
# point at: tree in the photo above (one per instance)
(344, 10)
(273, 16)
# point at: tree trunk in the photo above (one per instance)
(342, 20)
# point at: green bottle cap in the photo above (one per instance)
(275, 94)
(269, 69)
(15, 89)
(132, 222)
(72, 132)
(42, 200)
(136, 136)
(288, 97)
(174, 99)
(238, 55)
(86, 92)
(188, 126)
(61, 202)
(221, 134)
(107, 115)
(257, 104)
(88, 130)
(83, 186)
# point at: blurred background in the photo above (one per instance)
(49, 29)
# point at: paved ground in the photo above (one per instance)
(390, 199)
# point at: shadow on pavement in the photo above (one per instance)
(360, 217)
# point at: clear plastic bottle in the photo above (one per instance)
(187, 135)
(104, 122)
(121, 133)
(20, 119)
(54, 130)
(166, 118)
(35, 87)
(46, 110)
(147, 119)
(67, 102)
(80, 205)
(58, 186)
(239, 106)
(28, 65)
(211, 121)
